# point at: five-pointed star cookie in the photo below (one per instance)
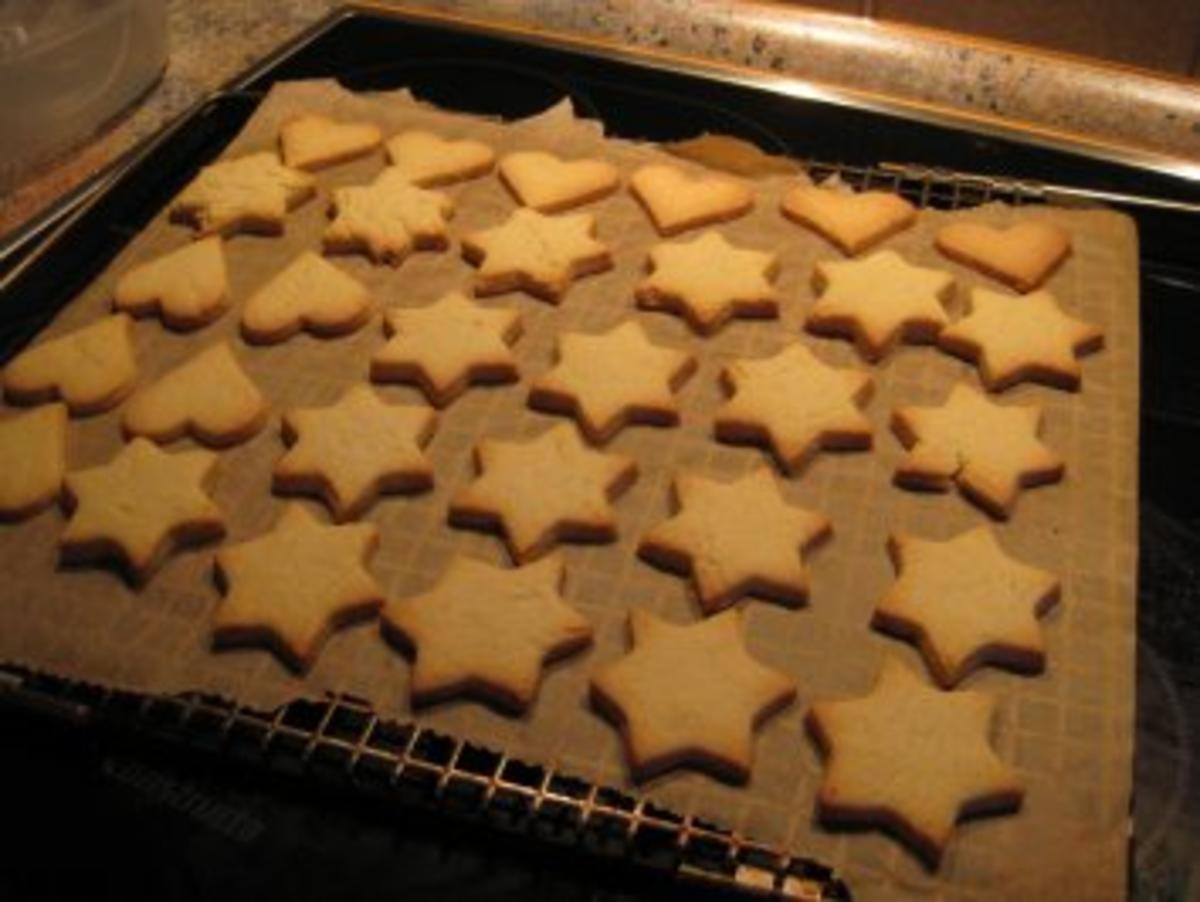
(796, 405)
(910, 758)
(990, 451)
(544, 490)
(33, 452)
(852, 221)
(387, 220)
(736, 538)
(551, 185)
(293, 586)
(91, 369)
(878, 301)
(447, 345)
(428, 160)
(246, 194)
(1022, 255)
(967, 603)
(539, 254)
(708, 281)
(139, 506)
(313, 142)
(1017, 339)
(689, 695)
(187, 287)
(613, 378)
(309, 294)
(677, 201)
(350, 452)
(486, 631)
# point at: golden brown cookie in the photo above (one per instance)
(310, 141)
(677, 201)
(247, 194)
(1022, 256)
(309, 294)
(33, 458)
(549, 184)
(428, 160)
(851, 221)
(187, 287)
(387, 220)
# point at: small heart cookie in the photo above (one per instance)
(677, 202)
(187, 287)
(853, 222)
(550, 185)
(1023, 255)
(313, 142)
(427, 160)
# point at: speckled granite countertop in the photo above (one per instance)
(212, 41)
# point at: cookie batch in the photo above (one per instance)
(912, 755)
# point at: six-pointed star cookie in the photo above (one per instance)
(247, 194)
(689, 695)
(967, 603)
(990, 451)
(187, 287)
(613, 378)
(486, 631)
(535, 253)
(1014, 339)
(910, 758)
(736, 538)
(33, 453)
(544, 490)
(447, 345)
(387, 220)
(878, 301)
(795, 404)
(139, 506)
(708, 281)
(294, 585)
(350, 452)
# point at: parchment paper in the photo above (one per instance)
(1068, 731)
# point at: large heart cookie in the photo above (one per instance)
(186, 287)
(1023, 255)
(854, 222)
(678, 202)
(426, 159)
(549, 185)
(313, 142)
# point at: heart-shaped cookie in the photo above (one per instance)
(550, 185)
(853, 222)
(313, 142)
(677, 202)
(186, 287)
(426, 159)
(1023, 255)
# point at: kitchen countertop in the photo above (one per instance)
(1135, 111)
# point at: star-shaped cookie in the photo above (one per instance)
(428, 160)
(878, 301)
(689, 696)
(549, 184)
(989, 450)
(708, 281)
(609, 379)
(966, 603)
(290, 588)
(542, 491)
(246, 194)
(138, 507)
(486, 631)
(538, 254)
(912, 759)
(33, 458)
(1022, 256)
(310, 141)
(187, 287)
(446, 346)
(1018, 339)
(91, 369)
(677, 201)
(350, 452)
(387, 220)
(736, 538)
(852, 221)
(796, 405)
(309, 294)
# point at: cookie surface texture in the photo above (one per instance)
(310, 294)
(247, 194)
(387, 220)
(853, 222)
(485, 631)
(428, 160)
(677, 201)
(187, 287)
(33, 459)
(689, 696)
(549, 184)
(313, 142)
(1022, 256)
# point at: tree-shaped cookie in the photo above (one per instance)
(138, 507)
(708, 281)
(852, 221)
(428, 160)
(352, 451)
(549, 184)
(33, 458)
(247, 194)
(794, 404)
(966, 604)
(988, 450)
(1018, 339)
(1022, 256)
(736, 538)
(387, 220)
(486, 632)
(208, 396)
(309, 294)
(538, 254)
(543, 490)
(609, 379)
(290, 588)
(187, 287)
(677, 201)
(879, 301)
(911, 759)
(689, 696)
(446, 346)
(91, 369)
(311, 141)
